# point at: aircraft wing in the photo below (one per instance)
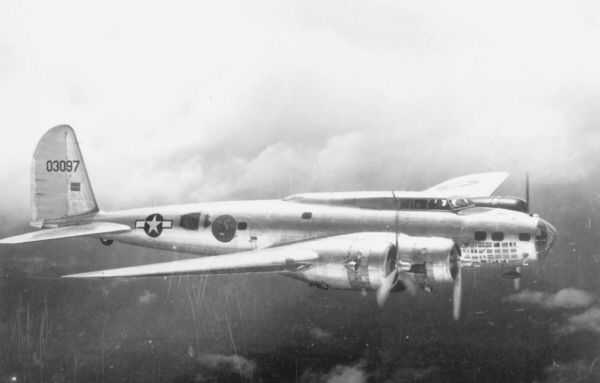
(94, 228)
(266, 261)
(474, 185)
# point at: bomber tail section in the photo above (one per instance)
(60, 187)
(62, 199)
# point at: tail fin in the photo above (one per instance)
(60, 187)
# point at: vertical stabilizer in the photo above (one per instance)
(60, 187)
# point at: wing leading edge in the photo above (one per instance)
(259, 261)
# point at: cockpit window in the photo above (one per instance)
(460, 203)
(438, 204)
(420, 204)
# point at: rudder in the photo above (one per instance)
(60, 187)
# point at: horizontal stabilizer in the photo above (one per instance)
(88, 229)
(265, 261)
(474, 185)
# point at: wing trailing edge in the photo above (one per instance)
(265, 261)
(88, 229)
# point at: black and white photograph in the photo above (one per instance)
(300, 191)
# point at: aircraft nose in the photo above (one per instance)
(544, 238)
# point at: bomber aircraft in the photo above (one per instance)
(382, 241)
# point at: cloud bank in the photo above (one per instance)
(572, 371)
(234, 364)
(586, 321)
(319, 334)
(147, 297)
(205, 101)
(568, 298)
(339, 374)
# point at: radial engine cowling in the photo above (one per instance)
(352, 263)
(428, 257)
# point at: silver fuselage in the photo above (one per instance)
(271, 223)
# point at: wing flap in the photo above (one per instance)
(94, 228)
(265, 261)
(474, 185)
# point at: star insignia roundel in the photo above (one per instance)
(153, 225)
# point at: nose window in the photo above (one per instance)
(544, 238)
(541, 237)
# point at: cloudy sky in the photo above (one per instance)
(199, 101)
(196, 101)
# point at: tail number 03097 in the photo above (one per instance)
(62, 166)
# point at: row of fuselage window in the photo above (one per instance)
(499, 236)
(192, 222)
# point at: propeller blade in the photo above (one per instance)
(457, 296)
(383, 292)
(527, 190)
(517, 281)
(409, 282)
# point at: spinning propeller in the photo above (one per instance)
(397, 275)
(517, 280)
(388, 283)
(456, 272)
(527, 191)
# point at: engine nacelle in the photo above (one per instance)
(352, 263)
(433, 258)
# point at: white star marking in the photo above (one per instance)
(153, 225)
